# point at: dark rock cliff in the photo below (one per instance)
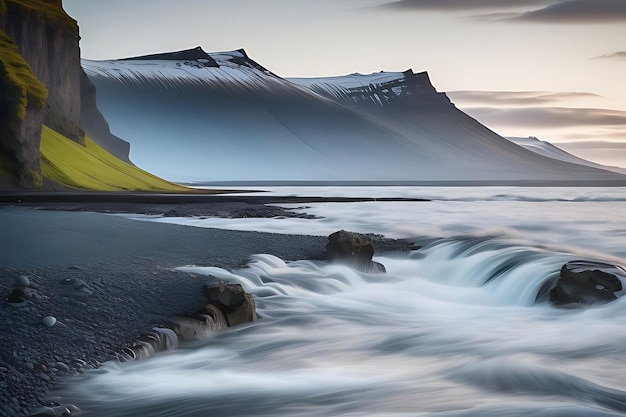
(94, 124)
(40, 43)
(48, 40)
(22, 101)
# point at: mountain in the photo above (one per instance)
(192, 115)
(548, 149)
(51, 131)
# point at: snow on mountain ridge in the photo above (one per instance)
(380, 88)
(227, 118)
(192, 67)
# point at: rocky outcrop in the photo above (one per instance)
(22, 101)
(233, 303)
(42, 82)
(48, 40)
(353, 249)
(587, 282)
(94, 124)
(227, 305)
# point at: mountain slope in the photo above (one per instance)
(409, 103)
(552, 151)
(221, 116)
(91, 167)
(41, 81)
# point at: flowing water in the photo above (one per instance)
(460, 327)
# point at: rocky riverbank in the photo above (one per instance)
(106, 280)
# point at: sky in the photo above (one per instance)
(553, 69)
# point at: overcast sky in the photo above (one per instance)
(547, 68)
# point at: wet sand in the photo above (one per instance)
(127, 266)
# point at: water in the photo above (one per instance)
(454, 329)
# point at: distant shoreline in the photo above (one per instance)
(408, 183)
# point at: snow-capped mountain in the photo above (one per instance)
(192, 115)
(550, 150)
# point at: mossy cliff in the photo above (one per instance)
(48, 40)
(22, 102)
(42, 82)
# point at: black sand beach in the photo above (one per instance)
(127, 267)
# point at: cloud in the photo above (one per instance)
(539, 11)
(549, 117)
(600, 145)
(597, 134)
(577, 11)
(606, 152)
(515, 98)
(621, 55)
(449, 5)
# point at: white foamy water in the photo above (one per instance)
(458, 328)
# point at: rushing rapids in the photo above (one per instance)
(461, 327)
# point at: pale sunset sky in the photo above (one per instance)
(555, 69)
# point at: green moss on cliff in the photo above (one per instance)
(51, 11)
(18, 79)
(91, 167)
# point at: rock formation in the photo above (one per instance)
(227, 305)
(22, 101)
(94, 124)
(587, 282)
(353, 249)
(42, 82)
(48, 40)
(232, 301)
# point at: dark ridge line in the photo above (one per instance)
(184, 55)
(150, 198)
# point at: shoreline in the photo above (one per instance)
(170, 198)
(127, 265)
(177, 205)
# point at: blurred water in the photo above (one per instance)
(454, 329)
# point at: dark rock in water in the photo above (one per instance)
(234, 303)
(227, 305)
(158, 340)
(587, 282)
(199, 325)
(353, 249)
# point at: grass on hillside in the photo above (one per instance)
(16, 76)
(91, 167)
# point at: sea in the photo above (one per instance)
(457, 328)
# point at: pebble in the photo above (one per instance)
(49, 321)
(22, 281)
(63, 367)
